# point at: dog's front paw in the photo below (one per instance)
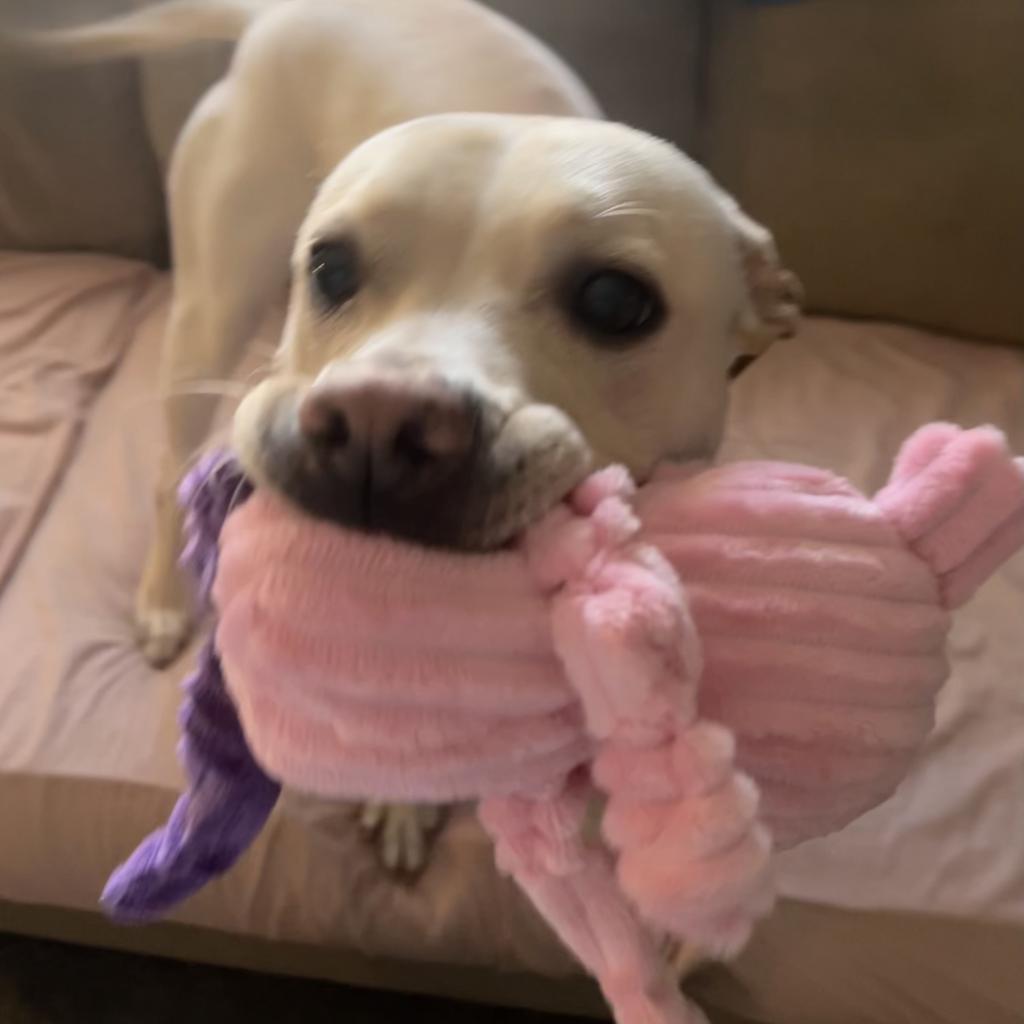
(683, 957)
(403, 834)
(162, 634)
(163, 612)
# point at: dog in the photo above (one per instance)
(490, 289)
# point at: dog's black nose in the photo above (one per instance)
(383, 443)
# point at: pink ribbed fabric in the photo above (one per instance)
(813, 619)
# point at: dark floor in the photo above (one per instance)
(51, 983)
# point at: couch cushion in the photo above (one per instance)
(64, 322)
(882, 143)
(88, 731)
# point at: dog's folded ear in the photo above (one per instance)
(774, 296)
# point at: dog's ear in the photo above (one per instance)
(774, 296)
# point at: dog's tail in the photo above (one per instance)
(167, 26)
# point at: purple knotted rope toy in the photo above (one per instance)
(229, 797)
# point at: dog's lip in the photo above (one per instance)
(519, 537)
(422, 541)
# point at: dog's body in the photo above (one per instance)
(491, 290)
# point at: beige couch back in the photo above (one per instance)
(76, 167)
(640, 57)
(883, 142)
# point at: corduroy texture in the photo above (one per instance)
(361, 667)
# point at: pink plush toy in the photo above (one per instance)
(735, 658)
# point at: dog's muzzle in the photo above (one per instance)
(381, 452)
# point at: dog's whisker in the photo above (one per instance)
(212, 388)
(259, 372)
(236, 495)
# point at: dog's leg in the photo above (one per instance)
(237, 195)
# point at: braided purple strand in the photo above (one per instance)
(229, 797)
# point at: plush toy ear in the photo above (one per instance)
(774, 295)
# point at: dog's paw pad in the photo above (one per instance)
(162, 634)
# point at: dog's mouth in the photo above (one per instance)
(475, 496)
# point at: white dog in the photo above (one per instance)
(492, 289)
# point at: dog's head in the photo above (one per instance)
(484, 308)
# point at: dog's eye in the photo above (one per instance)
(334, 269)
(616, 305)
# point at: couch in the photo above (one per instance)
(881, 143)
